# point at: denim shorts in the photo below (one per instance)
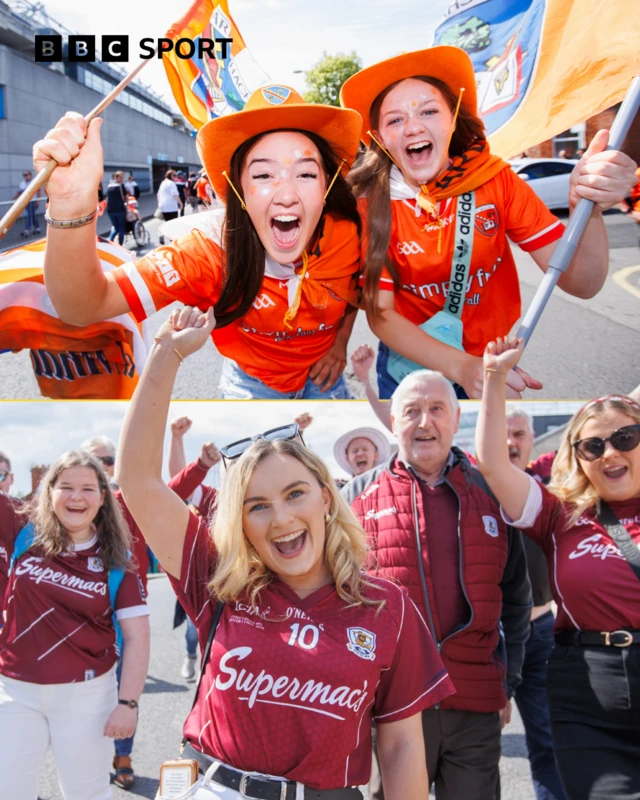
(235, 384)
(387, 384)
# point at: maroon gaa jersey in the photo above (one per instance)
(292, 685)
(593, 585)
(59, 626)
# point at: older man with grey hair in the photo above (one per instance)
(434, 526)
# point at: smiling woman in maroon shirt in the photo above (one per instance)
(592, 681)
(308, 650)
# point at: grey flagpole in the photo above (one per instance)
(566, 246)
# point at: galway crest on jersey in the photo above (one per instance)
(362, 642)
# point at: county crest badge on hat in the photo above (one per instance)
(362, 643)
(276, 95)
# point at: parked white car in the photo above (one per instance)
(548, 177)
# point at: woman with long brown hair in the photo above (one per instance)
(280, 263)
(587, 521)
(308, 650)
(440, 279)
(71, 587)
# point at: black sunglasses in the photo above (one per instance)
(236, 449)
(108, 461)
(623, 440)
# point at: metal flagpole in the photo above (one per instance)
(43, 176)
(566, 246)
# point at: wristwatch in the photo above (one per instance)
(130, 703)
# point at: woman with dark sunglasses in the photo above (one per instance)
(592, 679)
(308, 649)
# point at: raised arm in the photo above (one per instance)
(177, 459)
(80, 291)
(413, 343)
(362, 361)
(606, 177)
(509, 484)
(160, 514)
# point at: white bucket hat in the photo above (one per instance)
(378, 439)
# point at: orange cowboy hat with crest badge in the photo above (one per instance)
(274, 108)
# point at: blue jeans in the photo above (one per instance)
(118, 222)
(531, 699)
(235, 384)
(31, 223)
(191, 639)
(387, 384)
(123, 747)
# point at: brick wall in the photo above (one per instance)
(604, 119)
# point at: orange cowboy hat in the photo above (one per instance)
(273, 108)
(451, 65)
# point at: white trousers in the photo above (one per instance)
(69, 717)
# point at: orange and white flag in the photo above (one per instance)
(210, 85)
(543, 66)
(99, 361)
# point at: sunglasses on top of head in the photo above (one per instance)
(623, 440)
(108, 461)
(236, 449)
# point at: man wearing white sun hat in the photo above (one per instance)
(361, 449)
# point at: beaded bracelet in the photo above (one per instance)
(70, 223)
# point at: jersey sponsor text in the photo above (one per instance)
(265, 688)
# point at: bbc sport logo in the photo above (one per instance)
(116, 48)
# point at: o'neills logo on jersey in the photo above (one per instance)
(283, 690)
(32, 567)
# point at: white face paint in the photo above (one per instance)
(265, 190)
(283, 173)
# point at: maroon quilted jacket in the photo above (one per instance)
(484, 656)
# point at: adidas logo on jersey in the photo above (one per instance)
(263, 301)
(408, 248)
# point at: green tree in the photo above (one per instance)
(325, 78)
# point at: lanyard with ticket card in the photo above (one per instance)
(179, 775)
(446, 326)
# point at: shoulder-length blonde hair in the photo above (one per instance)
(568, 481)
(239, 570)
(371, 179)
(112, 530)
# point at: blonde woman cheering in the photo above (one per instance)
(307, 650)
(587, 523)
(70, 588)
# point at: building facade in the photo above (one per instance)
(140, 134)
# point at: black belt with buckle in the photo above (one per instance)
(257, 787)
(598, 638)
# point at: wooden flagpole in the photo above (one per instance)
(43, 176)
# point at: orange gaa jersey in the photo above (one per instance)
(506, 208)
(190, 270)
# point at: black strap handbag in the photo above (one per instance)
(621, 537)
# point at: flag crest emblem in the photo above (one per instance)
(276, 95)
(362, 642)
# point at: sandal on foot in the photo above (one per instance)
(124, 772)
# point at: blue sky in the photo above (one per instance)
(283, 35)
(38, 432)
